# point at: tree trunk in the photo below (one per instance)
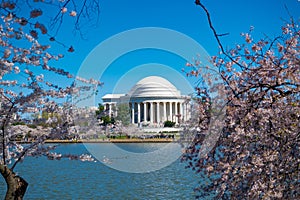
(16, 185)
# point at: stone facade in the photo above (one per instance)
(152, 100)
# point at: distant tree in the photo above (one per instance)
(123, 114)
(100, 111)
(256, 153)
(105, 120)
(25, 67)
(103, 115)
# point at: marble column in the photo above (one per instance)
(145, 111)
(182, 112)
(185, 111)
(151, 112)
(132, 113)
(157, 113)
(171, 111)
(165, 111)
(139, 112)
(176, 112)
(109, 109)
(116, 110)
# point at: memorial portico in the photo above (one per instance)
(157, 111)
(153, 100)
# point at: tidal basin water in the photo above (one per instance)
(70, 179)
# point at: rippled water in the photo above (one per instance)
(67, 179)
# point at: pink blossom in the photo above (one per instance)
(73, 13)
(7, 53)
(40, 78)
(188, 64)
(64, 10)
(36, 13)
(17, 69)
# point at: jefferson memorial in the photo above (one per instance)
(152, 100)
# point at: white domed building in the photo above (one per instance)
(152, 100)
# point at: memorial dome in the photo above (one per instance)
(154, 86)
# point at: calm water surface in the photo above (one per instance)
(67, 179)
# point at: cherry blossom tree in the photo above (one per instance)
(27, 68)
(256, 153)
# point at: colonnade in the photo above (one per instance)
(159, 111)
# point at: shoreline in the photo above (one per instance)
(134, 140)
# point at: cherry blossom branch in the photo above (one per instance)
(24, 153)
(197, 2)
(8, 99)
(261, 131)
(5, 121)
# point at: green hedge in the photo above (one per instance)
(169, 124)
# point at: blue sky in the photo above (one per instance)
(184, 17)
